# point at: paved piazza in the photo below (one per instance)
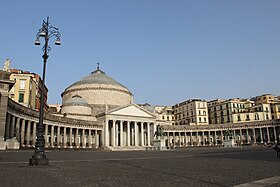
(182, 167)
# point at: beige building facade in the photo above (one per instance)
(27, 88)
(165, 113)
(274, 102)
(191, 112)
(237, 111)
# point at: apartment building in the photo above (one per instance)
(164, 113)
(27, 88)
(191, 112)
(273, 101)
(237, 111)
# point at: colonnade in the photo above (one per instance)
(56, 135)
(216, 137)
(120, 133)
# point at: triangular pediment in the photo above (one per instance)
(132, 110)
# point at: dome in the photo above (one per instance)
(98, 90)
(76, 100)
(97, 77)
(76, 105)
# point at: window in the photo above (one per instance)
(22, 84)
(205, 120)
(199, 119)
(256, 116)
(247, 117)
(238, 118)
(21, 98)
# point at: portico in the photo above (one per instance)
(128, 126)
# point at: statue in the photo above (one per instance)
(7, 65)
(159, 132)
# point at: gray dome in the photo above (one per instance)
(97, 77)
(76, 100)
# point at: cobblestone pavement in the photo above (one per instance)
(181, 167)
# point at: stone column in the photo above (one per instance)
(179, 139)
(22, 133)
(83, 139)
(197, 139)
(247, 134)
(114, 134)
(52, 136)
(215, 134)
(261, 135)
(77, 138)
(117, 134)
(34, 134)
(148, 134)
(191, 140)
(275, 135)
(128, 133)
(121, 133)
(89, 139)
(168, 140)
(174, 139)
(28, 133)
(241, 140)
(96, 138)
(135, 134)
(254, 134)
(58, 137)
(222, 137)
(203, 138)
(142, 133)
(268, 135)
(70, 137)
(234, 135)
(186, 140)
(64, 137)
(7, 126)
(12, 131)
(106, 134)
(18, 130)
(209, 138)
(46, 135)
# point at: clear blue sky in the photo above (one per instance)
(164, 51)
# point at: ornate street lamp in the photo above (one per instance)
(47, 31)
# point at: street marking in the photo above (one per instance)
(262, 182)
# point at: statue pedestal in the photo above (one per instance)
(2, 145)
(159, 144)
(229, 143)
(12, 143)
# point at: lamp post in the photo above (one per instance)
(47, 31)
